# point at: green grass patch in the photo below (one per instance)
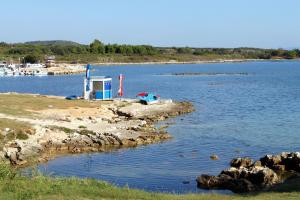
(63, 129)
(86, 132)
(16, 130)
(15, 186)
(21, 136)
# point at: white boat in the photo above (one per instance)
(8, 72)
(2, 72)
(16, 73)
(40, 73)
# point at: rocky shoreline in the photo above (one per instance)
(245, 175)
(101, 127)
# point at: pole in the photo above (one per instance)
(120, 92)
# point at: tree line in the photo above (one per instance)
(99, 48)
(250, 53)
(96, 47)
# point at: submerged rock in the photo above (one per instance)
(214, 157)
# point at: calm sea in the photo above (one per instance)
(236, 115)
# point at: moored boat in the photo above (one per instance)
(40, 73)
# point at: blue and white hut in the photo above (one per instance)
(97, 87)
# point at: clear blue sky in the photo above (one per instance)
(198, 23)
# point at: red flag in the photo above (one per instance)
(120, 92)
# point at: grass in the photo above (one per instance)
(22, 104)
(17, 130)
(63, 129)
(21, 135)
(15, 186)
(86, 132)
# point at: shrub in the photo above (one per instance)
(86, 132)
(22, 136)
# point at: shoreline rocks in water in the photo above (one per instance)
(245, 175)
(85, 126)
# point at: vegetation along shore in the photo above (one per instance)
(100, 53)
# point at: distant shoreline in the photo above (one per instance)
(188, 62)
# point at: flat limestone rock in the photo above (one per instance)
(83, 126)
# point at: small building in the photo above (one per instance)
(50, 61)
(98, 88)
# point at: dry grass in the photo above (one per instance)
(23, 104)
(17, 130)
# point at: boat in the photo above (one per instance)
(72, 97)
(8, 72)
(2, 72)
(40, 73)
(148, 98)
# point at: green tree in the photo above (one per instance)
(185, 50)
(140, 50)
(31, 59)
(291, 54)
(298, 52)
(110, 49)
(97, 47)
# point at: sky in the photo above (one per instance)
(193, 23)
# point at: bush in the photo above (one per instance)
(31, 59)
(22, 136)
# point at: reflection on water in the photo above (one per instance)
(235, 116)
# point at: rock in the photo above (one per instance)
(263, 177)
(232, 172)
(225, 182)
(257, 163)
(241, 162)
(239, 180)
(292, 161)
(11, 154)
(214, 157)
(246, 176)
(30, 131)
(279, 168)
(270, 160)
(23, 162)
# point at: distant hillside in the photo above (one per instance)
(98, 52)
(53, 42)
